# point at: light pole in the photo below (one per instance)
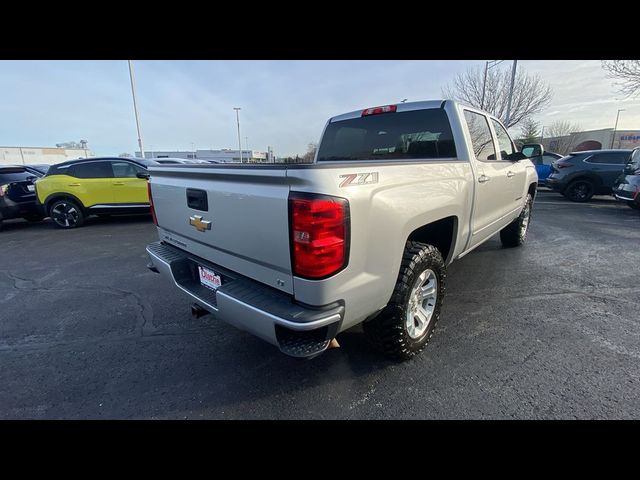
(193, 149)
(513, 81)
(616, 127)
(246, 144)
(237, 109)
(135, 109)
(484, 84)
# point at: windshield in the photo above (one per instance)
(417, 134)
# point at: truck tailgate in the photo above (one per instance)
(248, 210)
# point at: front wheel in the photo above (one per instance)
(515, 234)
(406, 324)
(66, 214)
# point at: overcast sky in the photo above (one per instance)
(285, 104)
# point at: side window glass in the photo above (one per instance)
(91, 170)
(481, 140)
(504, 142)
(123, 169)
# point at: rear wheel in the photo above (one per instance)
(406, 324)
(66, 214)
(634, 205)
(580, 190)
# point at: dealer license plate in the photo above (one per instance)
(209, 278)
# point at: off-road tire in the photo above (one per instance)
(387, 332)
(515, 234)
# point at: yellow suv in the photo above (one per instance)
(73, 190)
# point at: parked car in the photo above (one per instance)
(176, 161)
(296, 254)
(581, 175)
(17, 194)
(627, 185)
(73, 190)
(542, 163)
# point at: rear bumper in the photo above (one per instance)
(298, 330)
(553, 184)
(10, 209)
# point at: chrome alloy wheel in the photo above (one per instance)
(524, 223)
(422, 303)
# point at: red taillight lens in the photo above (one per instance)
(379, 110)
(319, 234)
(153, 210)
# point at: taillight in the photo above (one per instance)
(562, 164)
(153, 210)
(319, 230)
(378, 110)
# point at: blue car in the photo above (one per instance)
(543, 165)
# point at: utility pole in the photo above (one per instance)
(613, 137)
(487, 65)
(237, 109)
(135, 109)
(246, 143)
(513, 81)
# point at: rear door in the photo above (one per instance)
(492, 190)
(91, 182)
(128, 189)
(608, 165)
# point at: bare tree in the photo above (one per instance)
(627, 72)
(530, 93)
(562, 136)
(311, 152)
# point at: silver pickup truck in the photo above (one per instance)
(296, 254)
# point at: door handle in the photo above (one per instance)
(483, 179)
(74, 184)
(510, 174)
(118, 183)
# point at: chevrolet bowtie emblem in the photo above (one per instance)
(201, 225)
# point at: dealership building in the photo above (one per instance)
(40, 155)
(593, 140)
(223, 156)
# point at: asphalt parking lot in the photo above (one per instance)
(551, 330)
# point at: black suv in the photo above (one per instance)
(581, 175)
(627, 186)
(17, 194)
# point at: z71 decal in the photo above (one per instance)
(351, 179)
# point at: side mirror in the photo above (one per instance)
(532, 150)
(143, 175)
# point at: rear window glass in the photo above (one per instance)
(418, 134)
(14, 175)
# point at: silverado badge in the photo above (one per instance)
(200, 225)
